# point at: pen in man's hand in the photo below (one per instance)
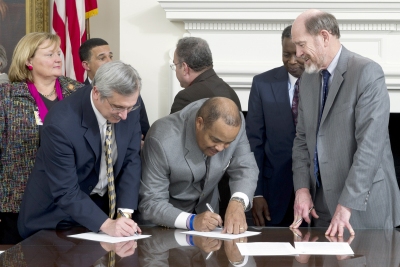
(123, 215)
(212, 210)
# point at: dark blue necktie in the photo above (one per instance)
(325, 76)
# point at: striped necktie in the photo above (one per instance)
(110, 172)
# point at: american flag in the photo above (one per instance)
(68, 22)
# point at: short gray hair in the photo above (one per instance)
(3, 58)
(118, 77)
(195, 52)
(322, 21)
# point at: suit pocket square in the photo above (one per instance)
(229, 162)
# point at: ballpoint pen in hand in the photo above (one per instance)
(210, 208)
(123, 215)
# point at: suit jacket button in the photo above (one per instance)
(90, 188)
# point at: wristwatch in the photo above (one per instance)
(240, 200)
(127, 213)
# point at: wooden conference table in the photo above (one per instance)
(167, 247)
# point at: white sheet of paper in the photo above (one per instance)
(323, 248)
(216, 233)
(102, 237)
(266, 249)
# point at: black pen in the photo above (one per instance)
(123, 215)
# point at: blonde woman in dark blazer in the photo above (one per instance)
(35, 86)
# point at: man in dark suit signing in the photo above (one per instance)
(95, 52)
(88, 165)
(271, 128)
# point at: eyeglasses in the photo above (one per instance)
(173, 65)
(119, 110)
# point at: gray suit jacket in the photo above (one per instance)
(355, 158)
(173, 167)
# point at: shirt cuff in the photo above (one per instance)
(258, 196)
(245, 260)
(243, 196)
(180, 221)
(126, 210)
(181, 238)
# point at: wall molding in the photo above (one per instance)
(244, 35)
(274, 26)
(356, 10)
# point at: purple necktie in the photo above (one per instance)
(295, 102)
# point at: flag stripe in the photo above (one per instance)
(68, 22)
(74, 30)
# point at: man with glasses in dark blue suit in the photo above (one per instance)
(88, 167)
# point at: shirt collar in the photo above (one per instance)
(292, 80)
(100, 119)
(331, 68)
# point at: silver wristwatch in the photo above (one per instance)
(240, 200)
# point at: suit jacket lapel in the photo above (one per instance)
(120, 129)
(194, 156)
(337, 80)
(280, 91)
(311, 98)
(92, 134)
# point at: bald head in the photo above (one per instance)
(316, 36)
(218, 123)
(219, 107)
(315, 21)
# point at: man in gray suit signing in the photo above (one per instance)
(183, 159)
(343, 170)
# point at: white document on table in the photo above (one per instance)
(323, 248)
(266, 249)
(216, 233)
(102, 237)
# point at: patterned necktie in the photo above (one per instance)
(295, 102)
(325, 76)
(110, 172)
(111, 259)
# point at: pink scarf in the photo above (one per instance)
(39, 101)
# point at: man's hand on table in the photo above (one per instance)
(207, 221)
(120, 227)
(340, 220)
(235, 219)
(303, 208)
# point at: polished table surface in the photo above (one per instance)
(167, 247)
